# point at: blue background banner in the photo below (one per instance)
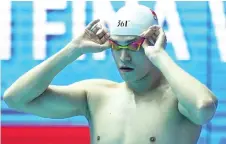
(202, 56)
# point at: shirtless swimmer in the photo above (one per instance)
(158, 103)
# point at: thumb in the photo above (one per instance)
(161, 38)
(91, 44)
(145, 44)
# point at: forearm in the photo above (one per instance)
(34, 82)
(191, 93)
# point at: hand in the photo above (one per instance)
(94, 38)
(155, 41)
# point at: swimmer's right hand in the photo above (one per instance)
(94, 38)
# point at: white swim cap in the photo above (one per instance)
(132, 20)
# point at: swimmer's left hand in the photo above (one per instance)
(155, 41)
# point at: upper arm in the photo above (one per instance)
(65, 101)
(59, 101)
(186, 113)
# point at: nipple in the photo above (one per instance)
(98, 138)
(152, 139)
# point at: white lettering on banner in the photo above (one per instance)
(219, 22)
(78, 19)
(167, 10)
(5, 29)
(131, 2)
(41, 27)
(104, 13)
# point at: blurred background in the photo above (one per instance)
(32, 31)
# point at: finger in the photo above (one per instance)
(161, 37)
(157, 32)
(145, 43)
(161, 34)
(152, 30)
(103, 40)
(147, 33)
(91, 24)
(155, 27)
(161, 31)
(89, 33)
(101, 33)
(95, 39)
(104, 25)
(154, 38)
(107, 35)
(95, 29)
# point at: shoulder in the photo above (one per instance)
(168, 94)
(100, 82)
(95, 82)
(94, 85)
(98, 91)
(103, 82)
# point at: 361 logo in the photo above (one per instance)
(123, 23)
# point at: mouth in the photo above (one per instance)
(126, 69)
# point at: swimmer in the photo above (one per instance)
(158, 102)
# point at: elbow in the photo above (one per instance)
(9, 100)
(206, 110)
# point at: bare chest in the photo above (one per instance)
(127, 121)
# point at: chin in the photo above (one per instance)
(131, 78)
(128, 78)
(134, 76)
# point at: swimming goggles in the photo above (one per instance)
(134, 46)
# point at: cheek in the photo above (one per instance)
(116, 56)
(139, 58)
(113, 54)
(143, 63)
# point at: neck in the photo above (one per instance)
(147, 83)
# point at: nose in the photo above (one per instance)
(125, 55)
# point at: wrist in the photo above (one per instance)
(163, 62)
(157, 57)
(72, 51)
